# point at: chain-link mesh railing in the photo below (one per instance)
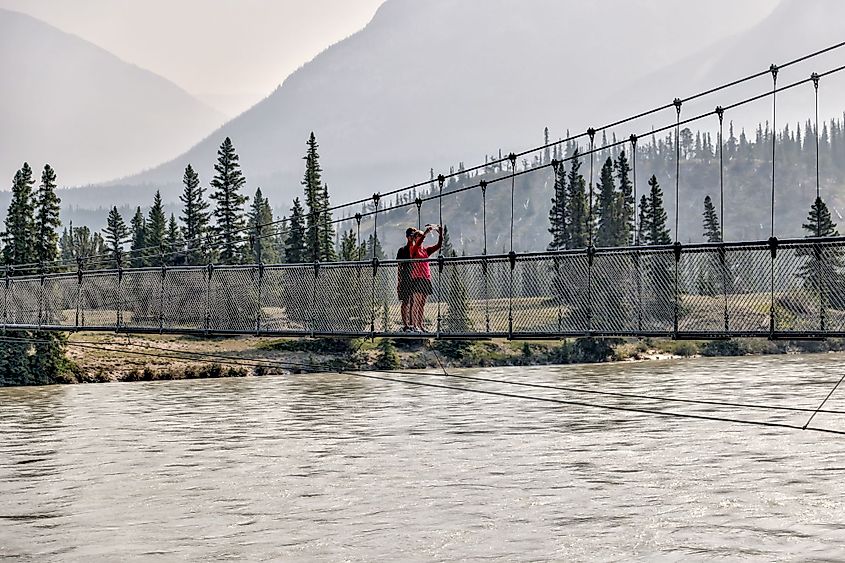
(776, 288)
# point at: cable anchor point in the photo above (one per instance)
(720, 112)
(774, 70)
(815, 78)
(512, 158)
(441, 179)
(677, 103)
(591, 133)
(482, 185)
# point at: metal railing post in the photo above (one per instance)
(40, 295)
(313, 298)
(676, 250)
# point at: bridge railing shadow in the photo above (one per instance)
(766, 288)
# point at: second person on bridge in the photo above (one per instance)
(421, 286)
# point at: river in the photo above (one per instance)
(343, 468)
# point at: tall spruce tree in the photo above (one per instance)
(578, 227)
(47, 217)
(608, 207)
(156, 230)
(174, 244)
(195, 217)
(261, 230)
(559, 213)
(656, 232)
(712, 229)
(227, 184)
(318, 236)
(19, 237)
(296, 250)
(327, 232)
(626, 201)
(116, 233)
(139, 240)
(822, 270)
(349, 249)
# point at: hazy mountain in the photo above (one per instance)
(87, 113)
(795, 28)
(429, 84)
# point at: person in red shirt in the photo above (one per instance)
(421, 275)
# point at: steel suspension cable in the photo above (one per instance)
(772, 240)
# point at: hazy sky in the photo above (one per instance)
(229, 53)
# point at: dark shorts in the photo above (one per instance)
(404, 290)
(421, 285)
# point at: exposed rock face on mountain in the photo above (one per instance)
(86, 112)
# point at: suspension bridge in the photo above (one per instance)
(774, 288)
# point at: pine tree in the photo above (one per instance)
(174, 244)
(139, 240)
(822, 270)
(656, 232)
(558, 214)
(156, 230)
(116, 233)
(227, 184)
(47, 217)
(643, 227)
(319, 233)
(195, 217)
(712, 229)
(261, 229)
(626, 201)
(19, 237)
(349, 249)
(295, 247)
(327, 232)
(578, 228)
(608, 228)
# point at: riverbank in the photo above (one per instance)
(104, 357)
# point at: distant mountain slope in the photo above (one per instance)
(795, 28)
(429, 84)
(89, 114)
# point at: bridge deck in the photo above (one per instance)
(793, 289)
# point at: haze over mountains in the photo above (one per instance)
(86, 112)
(430, 84)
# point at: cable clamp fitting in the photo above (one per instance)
(512, 158)
(633, 139)
(676, 249)
(677, 103)
(555, 165)
(773, 246)
(376, 198)
(483, 185)
(441, 179)
(774, 70)
(512, 259)
(720, 113)
(815, 78)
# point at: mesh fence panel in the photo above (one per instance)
(749, 289)
(184, 298)
(60, 297)
(624, 292)
(285, 298)
(233, 300)
(98, 300)
(465, 308)
(657, 277)
(548, 296)
(23, 301)
(338, 300)
(141, 298)
(615, 297)
(702, 279)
